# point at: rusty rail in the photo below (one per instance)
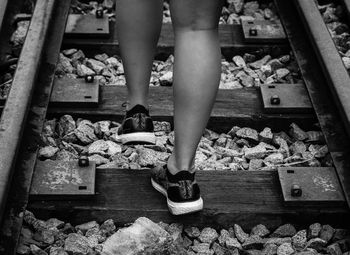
(16, 108)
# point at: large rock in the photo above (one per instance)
(142, 237)
(260, 230)
(19, 36)
(85, 132)
(77, 244)
(285, 249)
(326, 233)
(286, 230)
(47, 152)
(208, 235)
(240, 234)
(314, 230)
(148, 157)
(65, 125)
(95, 65)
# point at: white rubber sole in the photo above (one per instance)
(142, 137)
(179, 208)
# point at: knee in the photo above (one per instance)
(196, 22)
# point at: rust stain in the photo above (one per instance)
(325, 182)
(61, 175)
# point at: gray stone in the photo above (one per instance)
(253, 242)
(282, 72)
(192, 232)
(269, 249)
(22, 249)
(266, 135)
(286, 230)
(69, 52)
(239, 61)
(326, 233)
(113, 62)
(208, 235)
(166, 79)
(54, 223)
(334, 249)
(219, 250)
(113, 148)
(278, 240)
(240, 234)
(316, 243)
(83, 70)
(202, 248)
(86, 226)
(175, 230)
(298, 147)
(246, 80)
(85, 132)
(162, 126)
(19, 36)
(232, 243)
(260, 230)
(224, 235)
(65, 125)
(299, 240)
(98, 147)
(258, 152)
(98, 159)
(77, 244)
(340, 234)
(210, 135)
(95, 65)
(35, 250)
(248, 133)
(64, 66)
(255, 164)
(142, 237)
(46, 236)
(275, 158)
(148, 157)
(47, 152)
(297, 133)
(101, 128)
(258, 64)
(57, 251)
(108, 227)
(285, 249)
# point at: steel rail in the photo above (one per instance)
(337, 76)
(3, 7)
(16, 108)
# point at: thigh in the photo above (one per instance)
(195, 14)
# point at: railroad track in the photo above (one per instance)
(248, 197)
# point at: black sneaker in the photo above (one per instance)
(181, 190)
(137, 127)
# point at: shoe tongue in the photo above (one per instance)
(137, 109)
(180, 176)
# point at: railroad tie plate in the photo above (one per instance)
(285, 98)
(63, 178)
(87, 25)
(310, 186)
(263, 31)
(68, 92)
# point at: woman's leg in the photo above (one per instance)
(196, 74)
(138, 27)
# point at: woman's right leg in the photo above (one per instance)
(138, 27)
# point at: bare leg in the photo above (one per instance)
(196, 75)
(138, 26)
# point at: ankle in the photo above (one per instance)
(174, 168)
(133, 103)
